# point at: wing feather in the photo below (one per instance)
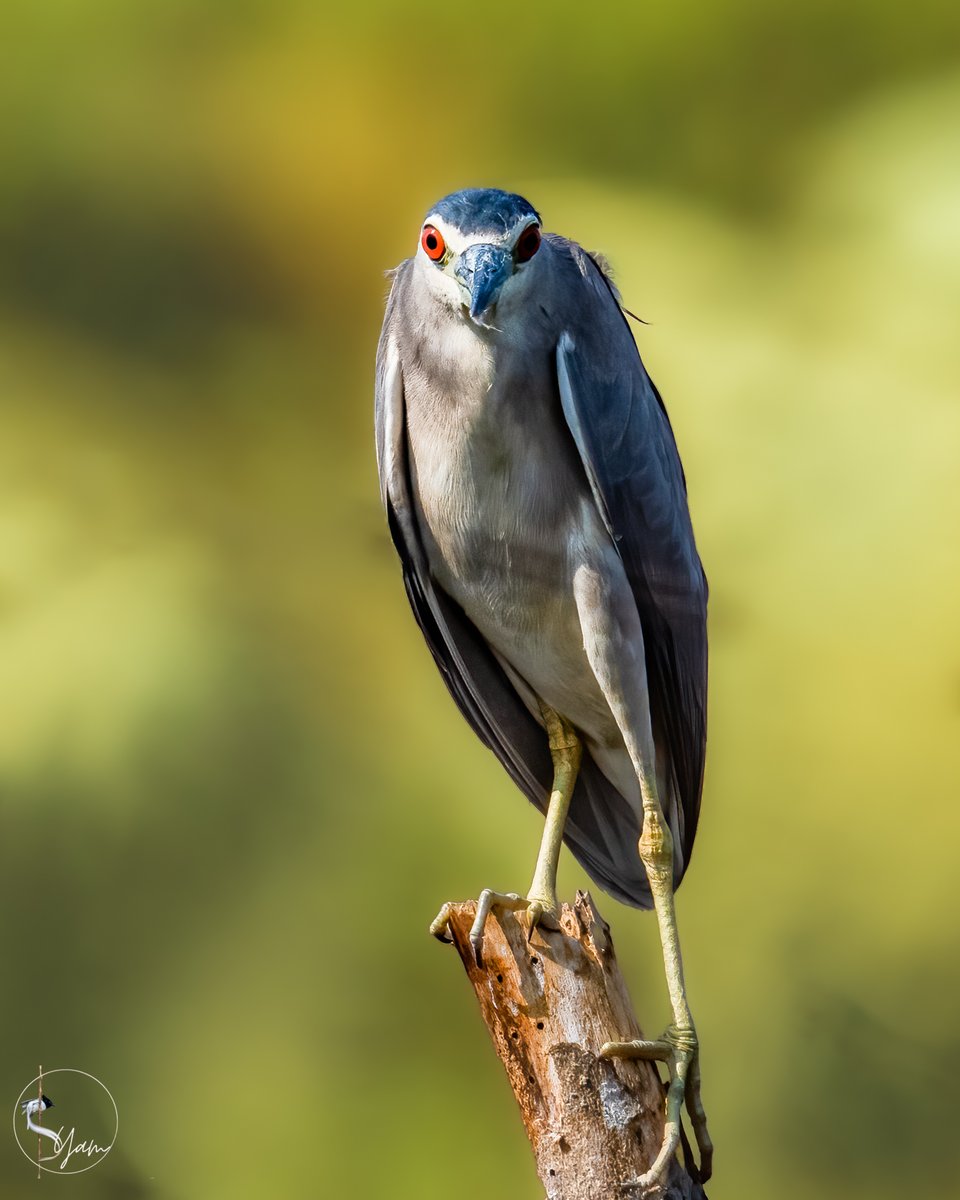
(623, 434)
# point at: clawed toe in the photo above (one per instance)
(678, 1048)
(440, 924)
(538, 912)
(541, 914)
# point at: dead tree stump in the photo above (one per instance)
(550, 1004)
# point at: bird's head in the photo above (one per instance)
(478, 247)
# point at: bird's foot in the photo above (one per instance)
(539, 910)
(679, 1049)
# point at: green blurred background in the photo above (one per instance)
(234, 790)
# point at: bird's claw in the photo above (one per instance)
(440, 924)
(679, 1049)
(538, 912)
(541, 912)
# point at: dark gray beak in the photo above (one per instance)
(483, 270)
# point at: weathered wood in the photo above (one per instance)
(550, 1004)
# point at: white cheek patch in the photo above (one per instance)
(443, 283)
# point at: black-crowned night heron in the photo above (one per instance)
(537, 501)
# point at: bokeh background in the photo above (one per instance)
(234, 791)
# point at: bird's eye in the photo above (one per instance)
(528, 243)
(432, 242)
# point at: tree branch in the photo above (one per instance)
(550, 1004)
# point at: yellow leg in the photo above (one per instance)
(677, 1046)
(566, 751)
(541, 901)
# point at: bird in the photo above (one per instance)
(535, 496)
(30, 1108)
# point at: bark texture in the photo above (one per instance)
(550, 1004)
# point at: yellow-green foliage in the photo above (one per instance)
(234, 788)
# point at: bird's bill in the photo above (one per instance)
(483, 269)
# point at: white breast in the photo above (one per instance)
(505, 535)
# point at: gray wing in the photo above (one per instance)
(601, 828)
(621, 429)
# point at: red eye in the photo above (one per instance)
(529, 243)
(432, 242)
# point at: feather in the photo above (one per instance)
(623, 434)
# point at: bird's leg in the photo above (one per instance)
(541, 901)
(677, 1046)
(565, 751)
